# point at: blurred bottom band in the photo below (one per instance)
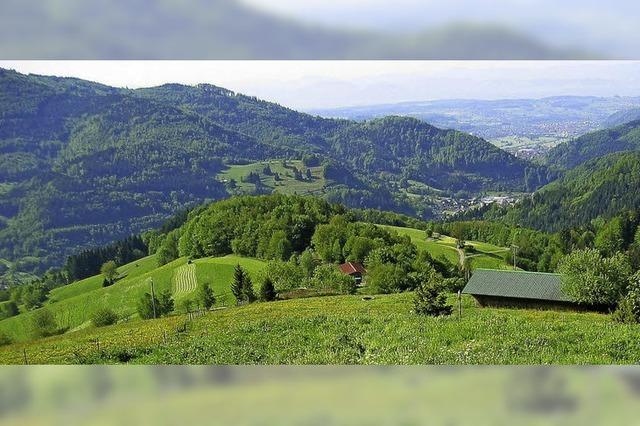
(325, 395)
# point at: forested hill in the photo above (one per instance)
(266, 121)
(445, 159)
(598, 188)
(83, 164)
(570, 154)
(623, 117)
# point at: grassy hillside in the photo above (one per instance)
(286, 184)
(125, 272)
(74, 305)
(218, 271)
(446, 246)
(347, 330)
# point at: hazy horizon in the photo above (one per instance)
(316, 85)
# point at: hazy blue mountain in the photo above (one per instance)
(622, 117)
(561, 116)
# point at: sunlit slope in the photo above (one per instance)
(482, 255)
(74, 305)
(347, 330)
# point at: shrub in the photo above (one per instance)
(103, 317)
(388, 278)
(589, 278)
(185, 306)
(628, 310)
(430, 298)
(624, 313)
(284, 275)
(453, 285)
(5, 339)
(166, 303)
(33, 296)
(9, 309)
(329, 277)
(145, 306)
(242, 287)
(307, 263)
(110, 271)
(44, 324)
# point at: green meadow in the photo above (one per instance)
(346, 330)
(483, 255)
(319, 330)
(287, 183)
(74, 305)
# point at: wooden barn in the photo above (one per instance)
(355, 270)
(503, 288)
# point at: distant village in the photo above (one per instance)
(450, 206)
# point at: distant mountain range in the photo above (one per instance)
(83, 164)
(561, 116)
(600, 176)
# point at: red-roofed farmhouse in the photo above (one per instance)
(353, 269)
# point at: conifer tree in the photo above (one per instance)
(249, 294)
(237, 285)
(267, 290)
(430, 298)
(206, 298)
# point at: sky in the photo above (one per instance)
(309, 85)
(595, 25)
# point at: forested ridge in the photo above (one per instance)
(83, 164)
(625, 137)
(599, 188)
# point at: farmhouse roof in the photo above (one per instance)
(516, 284)
(351, 268)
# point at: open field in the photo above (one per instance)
(347, 330)
(489, 256)
(125, 272)
(287, 185)
(74, 305)
(184, 280)
(219, 273)
(514, 143)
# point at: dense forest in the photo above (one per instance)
(83, 164)
(599, 188)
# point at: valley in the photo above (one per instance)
(184, 224)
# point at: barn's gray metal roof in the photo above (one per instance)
(516, 284)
